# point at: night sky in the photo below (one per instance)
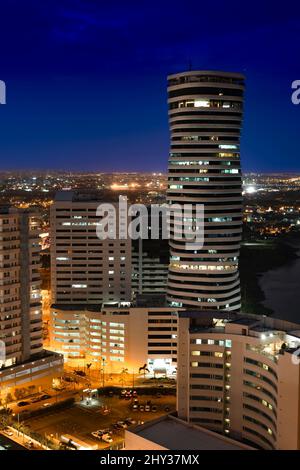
(86, 79)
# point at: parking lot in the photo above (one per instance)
(80, 420)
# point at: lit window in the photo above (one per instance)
(201, 104)
(218, 354)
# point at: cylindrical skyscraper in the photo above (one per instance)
(205, 116)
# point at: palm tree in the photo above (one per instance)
(145, 369)
(5, 418)
(124, 372)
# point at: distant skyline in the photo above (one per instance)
(86, 81)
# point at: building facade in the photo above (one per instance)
(122, 336)
(21, 329)
(85, 269)
(205, 118)
(237, 375)
(149, 271)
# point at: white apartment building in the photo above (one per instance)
(20, 301)
(122, 336)
(237, 375)
(85, 269)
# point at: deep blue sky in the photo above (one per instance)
(86, 79)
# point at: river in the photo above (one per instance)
(281, 287)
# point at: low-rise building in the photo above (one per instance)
(171, 433)
(122, 336)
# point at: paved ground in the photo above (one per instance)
(10, 443)
(80, 422)
(21, 440)
(55, 398)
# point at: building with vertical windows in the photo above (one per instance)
(22, 355)
(123, 336)
(205, 118)
(85, 269)
(239, 375)
(150, 260)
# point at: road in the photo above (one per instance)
(55, 398)
(20, 438)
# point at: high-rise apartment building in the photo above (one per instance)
(20, 301)
(205, 116)
(85, 269)
(240, 375)
(21, 316)
(150, 259)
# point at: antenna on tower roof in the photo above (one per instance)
(189, 65)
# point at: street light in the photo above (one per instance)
(18, 415)
(103, 371)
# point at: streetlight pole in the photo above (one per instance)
(103, 371)
(18, 417)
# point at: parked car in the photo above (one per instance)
(81, 373)
(69, 379)
(107, 438)
(97, 434)
(23, 403)
(122, 424)
(142, 408)
(123, 393)
(46, 405)
(154, 408)
(130, 421)
(35, 400)
(7, 432)
(135, 407)
(147, 408)
(45, 397)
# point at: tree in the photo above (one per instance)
(124, 372)
(5, 418)
(145, 369)
(8, 398)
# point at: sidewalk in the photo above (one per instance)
(22, 439)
